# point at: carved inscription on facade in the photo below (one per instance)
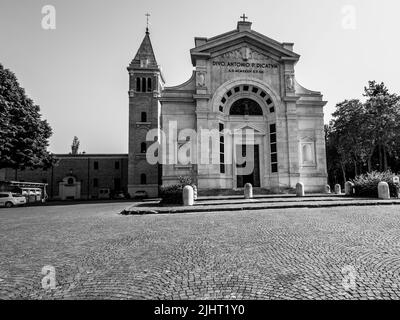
(245, 60)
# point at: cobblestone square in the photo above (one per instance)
(321, 253)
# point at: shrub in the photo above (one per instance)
(366, 185)
(173, 194)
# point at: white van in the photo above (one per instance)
(10, 199)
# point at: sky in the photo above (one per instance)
(77, 72)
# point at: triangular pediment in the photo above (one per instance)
(244, 51)
(256, 129)
(261, 45)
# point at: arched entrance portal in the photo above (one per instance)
(243, 107)
(248, 168)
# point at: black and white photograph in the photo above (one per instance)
(186, 151)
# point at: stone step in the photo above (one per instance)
(254, 204)
(232, 192)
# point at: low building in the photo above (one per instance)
(82, 176)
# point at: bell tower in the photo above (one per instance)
(145, 85)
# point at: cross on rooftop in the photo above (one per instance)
(147, 22)
(244, 17)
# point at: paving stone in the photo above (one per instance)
(273, 254)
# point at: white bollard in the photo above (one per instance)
(338, 189)
(188, 196)
(248, 191)
(300, 190)
(383, 191)
(349, 188)
(328, 189)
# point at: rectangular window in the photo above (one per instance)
(149, 84)
(221, 148)
(274, 151)
(95, 182)
(272, 109)
(144, 85)
(96, 165)
(137, 84)
(116, 165)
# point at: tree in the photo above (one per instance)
(23, 134)
(382, 122)
(75, 146)
(365, 135)
(349, 135)
(335, 165)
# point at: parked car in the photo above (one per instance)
(141, 195)
(104, 193)
(118, 195)
(10, 199)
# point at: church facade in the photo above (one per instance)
(243, 85)
(242, 82)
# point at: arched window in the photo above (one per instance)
(143, 179)
(143, 147)
(149, 84)
(307, 153)
(245, 107)
(143, 84)
(143, 117)
(70, 181)
(137, 84)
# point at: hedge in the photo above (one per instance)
(173, 194)
(366, 185)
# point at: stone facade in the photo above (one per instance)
(242, 80)
(241, 66)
